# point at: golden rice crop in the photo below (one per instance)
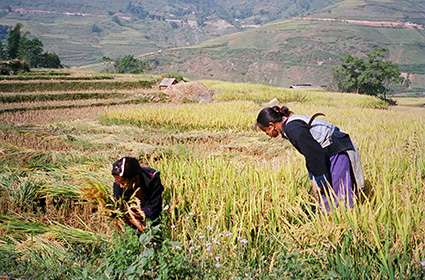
(233, 194)
(255, 201)
(230, 115)
(226, 91)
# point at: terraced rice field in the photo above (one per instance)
(74, 91)
(237, 205)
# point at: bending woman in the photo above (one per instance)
(332, 161)
(141, 185)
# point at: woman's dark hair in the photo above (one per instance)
(272, 114)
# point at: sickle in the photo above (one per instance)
(313, 117)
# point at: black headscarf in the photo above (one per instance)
(126, 167)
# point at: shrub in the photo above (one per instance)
(130, 64)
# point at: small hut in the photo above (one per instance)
(167, 82)
(12, 67)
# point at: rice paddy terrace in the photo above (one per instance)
(237, 205)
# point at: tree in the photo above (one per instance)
(346, 75)
(3, 52)
(129, 64)
(379, 75)
(50, 60)
(13, 41)
(31, 51)
(372, 75)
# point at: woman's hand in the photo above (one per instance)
(136, 222)
(315, 190)
(136, 215)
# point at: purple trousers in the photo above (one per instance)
(342, 183)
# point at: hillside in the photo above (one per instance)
(83, 31)
(232, 40)
(294, 51)
(406, 10)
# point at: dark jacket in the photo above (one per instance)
(317, 143)
(148, 191)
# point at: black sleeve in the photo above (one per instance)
(117, 190)
(299, 135)
(153, 203)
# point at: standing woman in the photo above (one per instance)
(332, 161)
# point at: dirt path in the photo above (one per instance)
(24, 11)
(370, 23)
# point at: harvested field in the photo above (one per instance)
(53, 78)
(29, 86)
(16, 98)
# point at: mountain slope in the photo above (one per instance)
(175, 34)
(406, 10)
(295, 51)
(82, 31)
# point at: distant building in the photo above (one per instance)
(167, 82)
(295, 86)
